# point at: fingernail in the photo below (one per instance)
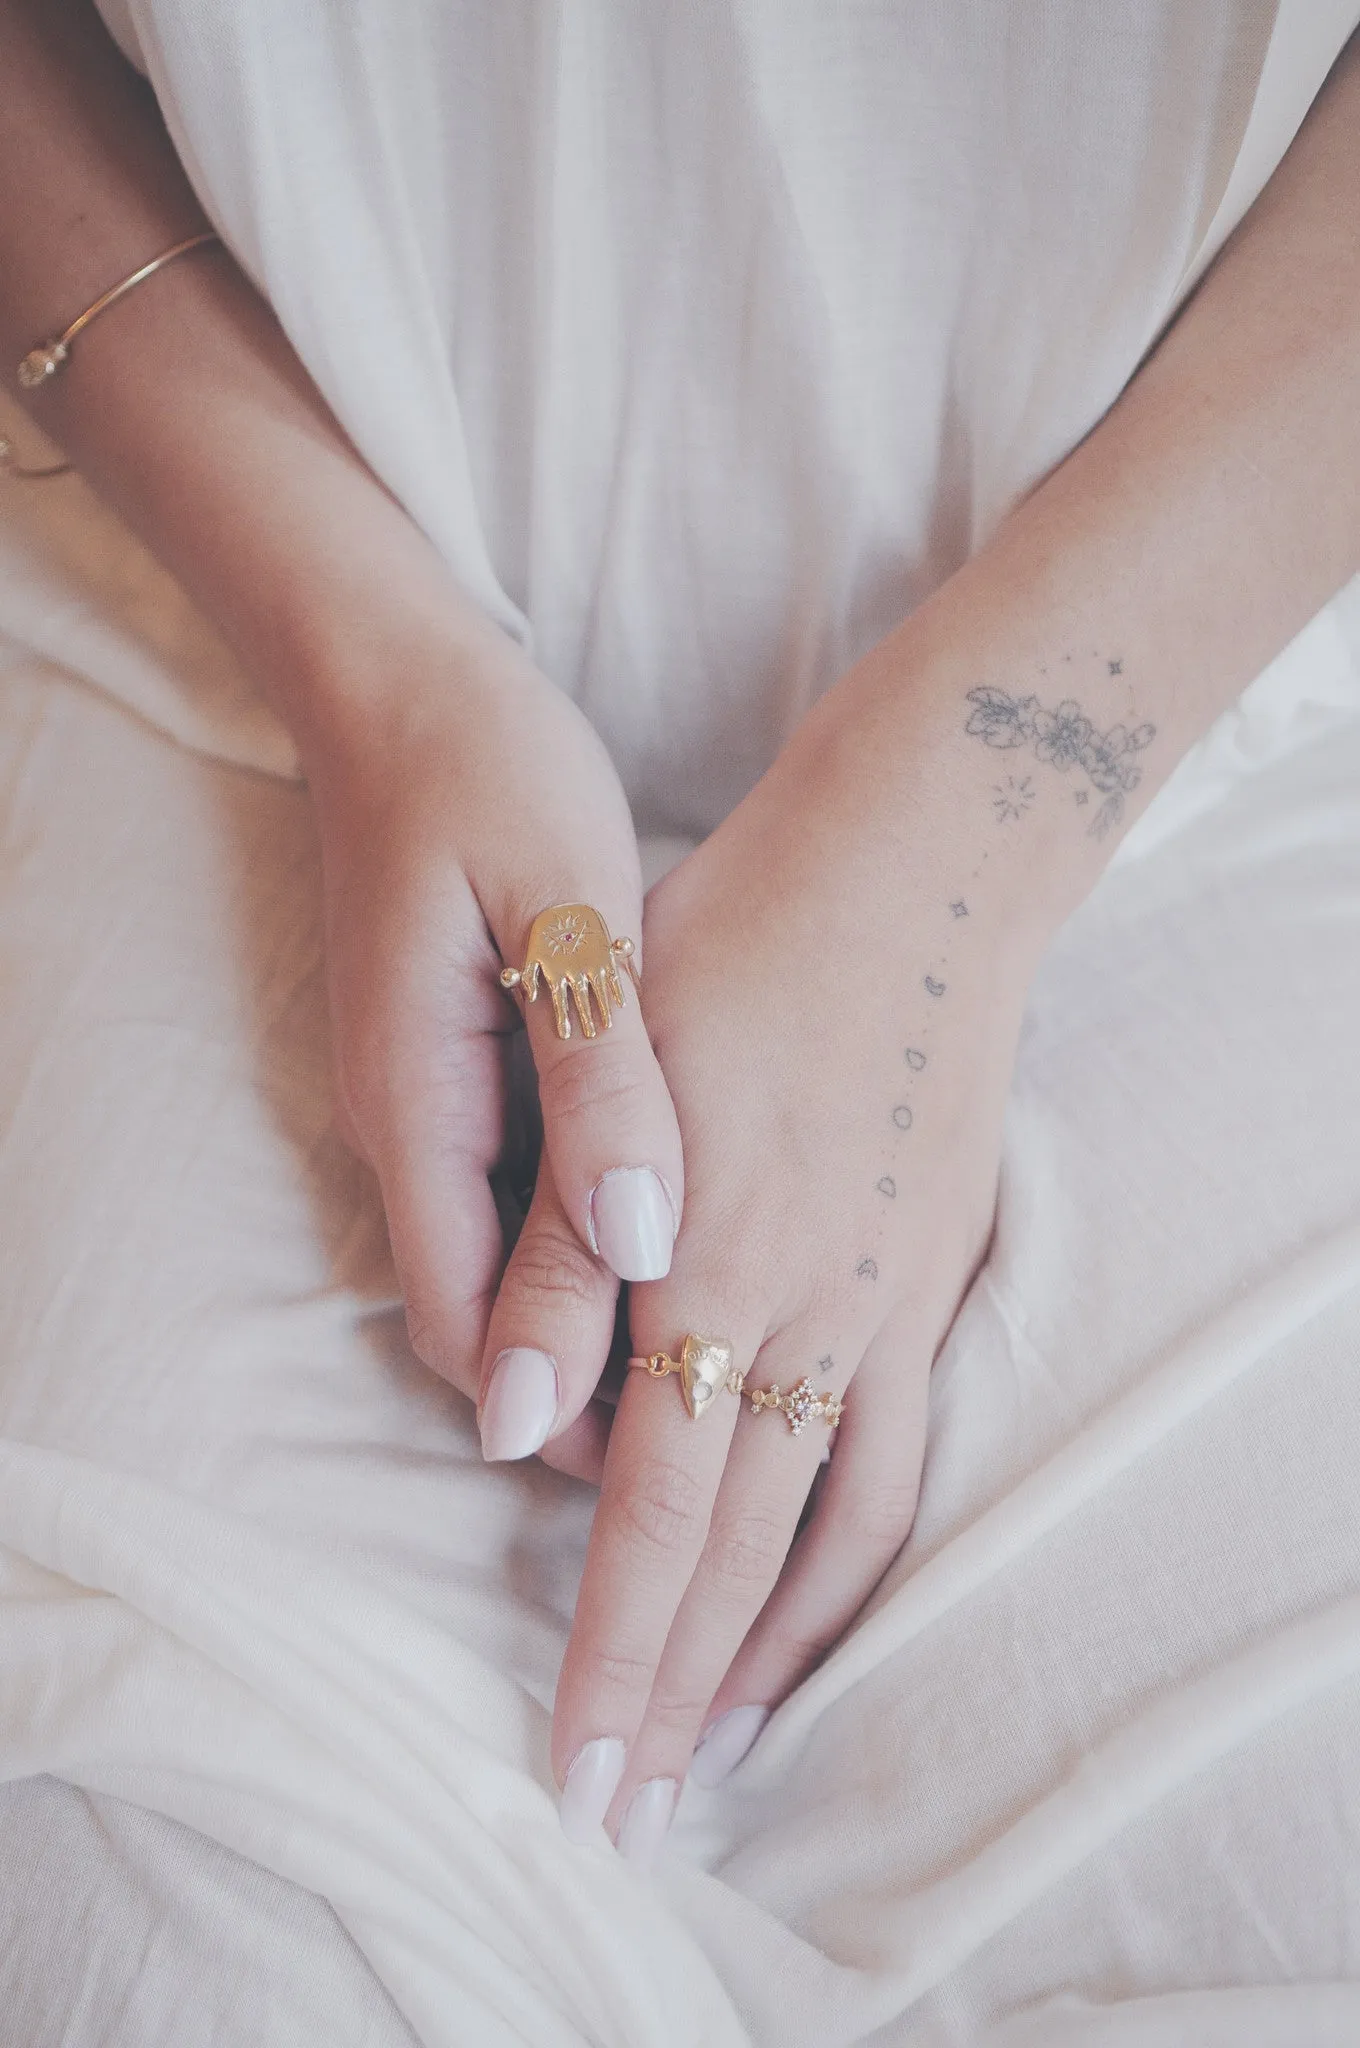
(591, 1783)
(725, 1744)
(520, 1406)
(646, 1821)
(632, 1223)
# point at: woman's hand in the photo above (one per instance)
(836, 977)
(835, 981)
(458, 794)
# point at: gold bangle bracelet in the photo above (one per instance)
(47, 357)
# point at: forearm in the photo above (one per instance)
(184, 405)
(1165, 562)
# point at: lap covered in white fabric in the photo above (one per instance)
(1090, 1754)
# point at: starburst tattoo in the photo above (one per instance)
(1012, 798)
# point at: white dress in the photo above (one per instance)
(704, 340)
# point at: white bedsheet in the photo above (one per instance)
(123, 1929)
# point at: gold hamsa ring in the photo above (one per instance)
(571, 953)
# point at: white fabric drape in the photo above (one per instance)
(1095, 1741)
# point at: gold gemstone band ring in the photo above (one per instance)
(571, 951)
(801, 1405)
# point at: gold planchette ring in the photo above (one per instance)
(801, 1405)
(571, 951)
(705, 1366)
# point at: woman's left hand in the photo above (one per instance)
(834, 989)
(835, 979)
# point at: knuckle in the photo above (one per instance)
(799, 1651)
(663, 1508)
(449, 1103)
(420, 1333)
(426, 1334)
(591, 1081)
(678, 1712)
(877, 1519)
(447, 1335)
(620, 1671)
(748, 1548)
(551, 1274)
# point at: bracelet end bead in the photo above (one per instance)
(41, 363)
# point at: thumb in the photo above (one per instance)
(549, 1334)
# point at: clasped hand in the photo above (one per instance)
(823, 1024)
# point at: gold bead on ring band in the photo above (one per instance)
(705, 1367)
(570, 947)
(801, 1405)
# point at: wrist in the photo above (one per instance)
(378, 672)
(986, 747)
(935, 817)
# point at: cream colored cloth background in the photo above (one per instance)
(1086, 1772)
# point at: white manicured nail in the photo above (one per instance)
(632, 1223)
(726, 1743)
(591, 1783)
(646, 1821)
(520, 1405)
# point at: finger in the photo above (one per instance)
(579, 1449)
(863, 1515)
(608, 1122)
(420, 1049)
(769, 1472)
(442, 1219)
(661, 1476)
(549, 1333)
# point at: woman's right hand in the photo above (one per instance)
(458, 794)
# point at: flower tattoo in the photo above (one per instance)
(1064, 738)
(1000, 719)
